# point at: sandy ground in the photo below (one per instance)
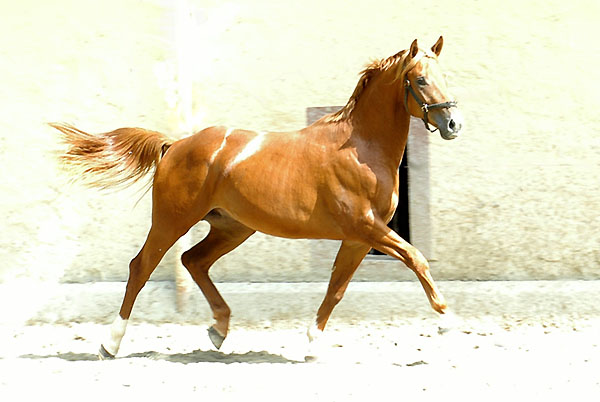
(358, 362)
(551, 357)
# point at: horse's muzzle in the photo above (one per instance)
(451, 126)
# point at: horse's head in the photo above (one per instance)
(425, 94)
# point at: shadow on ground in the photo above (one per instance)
(197, 356)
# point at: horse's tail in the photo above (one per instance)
(111, 159)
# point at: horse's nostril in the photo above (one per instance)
(452, 124)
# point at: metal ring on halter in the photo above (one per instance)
(425, 106)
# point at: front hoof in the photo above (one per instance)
(215, 337)
(103, 354)
(449, 322)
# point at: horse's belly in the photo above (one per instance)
(291, 215)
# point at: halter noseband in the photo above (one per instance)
(425, 107)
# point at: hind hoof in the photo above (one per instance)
(311, 359)
(215, 337)
(103, 354)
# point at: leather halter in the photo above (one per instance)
(425, 107)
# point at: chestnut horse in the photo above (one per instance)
(336, 179)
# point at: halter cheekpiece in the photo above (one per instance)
(425, 107)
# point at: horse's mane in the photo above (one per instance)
(371, 70)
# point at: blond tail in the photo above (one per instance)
(122, 156)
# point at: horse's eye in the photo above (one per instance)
(421, 81)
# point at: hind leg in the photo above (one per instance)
(224, 236)
(169, 223)
(159, 240)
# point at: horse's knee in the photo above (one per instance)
(417, 262)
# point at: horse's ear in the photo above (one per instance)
(437, 48)
(414, 49)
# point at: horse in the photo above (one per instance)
(335, 179)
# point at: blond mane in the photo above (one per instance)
(371, 70)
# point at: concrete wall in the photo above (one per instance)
(515, 198)
(90, 64)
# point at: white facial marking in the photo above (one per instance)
(251, 148)
(117, 331)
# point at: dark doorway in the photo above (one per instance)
(400, 220)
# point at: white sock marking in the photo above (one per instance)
(313, 332)
(117, 331)
(315, 347)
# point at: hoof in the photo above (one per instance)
(311, 359)
(313, 333)
(215, 337)
(103, 354)
(449, 323)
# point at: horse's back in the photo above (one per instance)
(270, 181)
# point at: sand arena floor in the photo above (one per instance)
(511, 347)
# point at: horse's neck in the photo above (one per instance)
(380, 120)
